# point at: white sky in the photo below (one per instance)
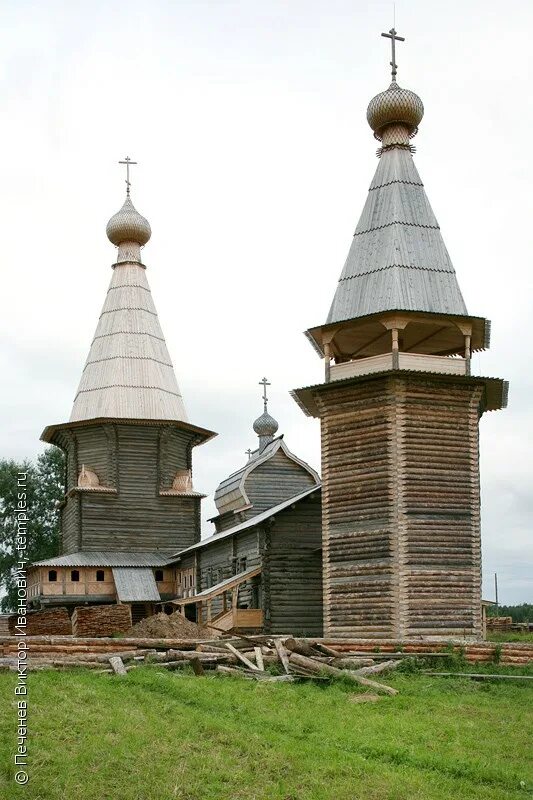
(248, 120)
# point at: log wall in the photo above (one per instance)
(401, 525)
(292, 571)
(137, 462)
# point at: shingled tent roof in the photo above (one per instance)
(398, 259)
(128, 373)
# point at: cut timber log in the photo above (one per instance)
(376, 669)
(282, 653)
(196, 666)
(351, 663)
(117, 665)
(301, 646)
(314, 666)
(259, 659)
(328, 651)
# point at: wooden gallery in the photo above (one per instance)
(388, 544)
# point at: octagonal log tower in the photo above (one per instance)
(399, 411)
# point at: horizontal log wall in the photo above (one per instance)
(292, 571)
(137, 461)
(401, 507)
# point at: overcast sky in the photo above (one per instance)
(248, 122)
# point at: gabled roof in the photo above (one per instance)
(398, 259)
(231, 495)
(249, 523)
(128, 372)
(135, 585)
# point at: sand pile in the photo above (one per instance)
(169, 626)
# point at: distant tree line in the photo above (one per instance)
(45, 486)
(520, 613)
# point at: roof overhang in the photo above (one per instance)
(495, 395)
(357, 335)
(200, 435)
(260, 519)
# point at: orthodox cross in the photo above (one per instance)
(128, 162)
(249, 453)
(393, 36)
(264, 383)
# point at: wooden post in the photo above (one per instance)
(467, 353)
(395, 349)
(327, 358)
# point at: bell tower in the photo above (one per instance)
(399, 411)
(128, 442)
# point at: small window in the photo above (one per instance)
(158, 575)
(52, 575)
(75, 575)
(100, 575)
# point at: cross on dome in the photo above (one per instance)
(128, 162)
(393, 36)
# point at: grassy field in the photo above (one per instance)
(156, 735)
(509, 636)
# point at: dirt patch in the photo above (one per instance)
(364, 698)
(169, 626)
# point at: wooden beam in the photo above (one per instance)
(241, 657)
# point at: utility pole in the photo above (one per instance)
(496, 592)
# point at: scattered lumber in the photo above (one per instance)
(117, 665)
(311, 664)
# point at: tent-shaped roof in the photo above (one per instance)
(128, 373)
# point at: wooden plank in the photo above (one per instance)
(241, 657)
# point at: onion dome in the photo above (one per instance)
(127, 225)
(395, 106)
(265, 425)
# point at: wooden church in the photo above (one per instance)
(390, 544)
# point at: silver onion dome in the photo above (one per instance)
(127, 225)
(265, 425)
(395, 106)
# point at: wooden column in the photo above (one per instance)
(395, 349)
(467, 353)
(327, 364)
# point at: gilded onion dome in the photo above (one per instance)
(395, 106)
(127, 225)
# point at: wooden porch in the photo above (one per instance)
(229, 617)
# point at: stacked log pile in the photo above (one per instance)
(252, 657)
(49, 622)
(101, 620)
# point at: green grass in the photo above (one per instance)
(510, 636)
(156, 735)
